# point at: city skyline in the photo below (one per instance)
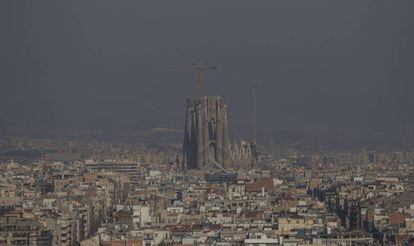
(215, 123)
(324, 67)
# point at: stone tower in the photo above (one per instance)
(206, 133)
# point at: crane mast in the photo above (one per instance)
(200, 69)
(253, 144)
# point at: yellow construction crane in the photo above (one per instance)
(200, 68)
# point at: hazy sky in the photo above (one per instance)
(322, 65)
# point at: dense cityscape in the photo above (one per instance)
(224, 123)
(67, 192)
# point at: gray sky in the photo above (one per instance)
(322, 65)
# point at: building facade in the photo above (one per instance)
(206, 133)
